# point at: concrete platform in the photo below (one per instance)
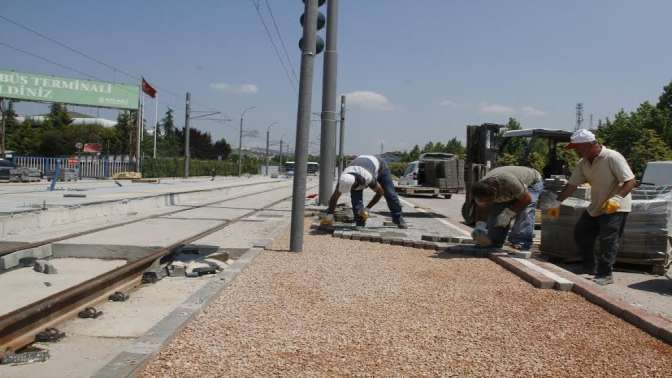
(21, 287)
(91, 343)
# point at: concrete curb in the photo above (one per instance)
(135, 356)
(654, 325)
(516, 267)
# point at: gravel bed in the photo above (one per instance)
(345, 307)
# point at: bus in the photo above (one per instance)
(312, 169)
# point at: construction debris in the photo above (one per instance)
(44, 266)
(27, 357)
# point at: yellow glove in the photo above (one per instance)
(364, 214)
(553, 212)
(613, 204)
(327, 219)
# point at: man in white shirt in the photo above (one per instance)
(372, 172)
(611, 181)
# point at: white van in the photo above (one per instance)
(410, 176)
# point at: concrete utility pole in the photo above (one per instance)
(3, 124)
(240, 141)
(281, 151)
(187, 153)
(303, 125)
(328, 127)
(268, 135)
(342, 138)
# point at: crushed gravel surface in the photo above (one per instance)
(346, 307)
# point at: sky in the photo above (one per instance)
(412, 70)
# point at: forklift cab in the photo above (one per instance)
(485, 144)
(554, 165)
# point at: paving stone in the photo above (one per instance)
(376, 238)
(44, 266)
(521, 254)
(397, 241)
(347, 235)
(356, 236)
(431, 238)
(409, 242)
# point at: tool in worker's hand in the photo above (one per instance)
(327, 219)
(613, 204)
(480, 234)
(364, 213)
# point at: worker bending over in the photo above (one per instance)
(507, 193)
(611, 181)
(372, 172)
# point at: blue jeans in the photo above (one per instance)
(385, 181)
(522, 231)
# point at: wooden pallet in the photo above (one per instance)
(425, 190)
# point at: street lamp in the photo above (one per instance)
(240, 141)
(268, 133)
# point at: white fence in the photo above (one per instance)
(88, 166)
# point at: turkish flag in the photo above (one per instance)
(148, 89)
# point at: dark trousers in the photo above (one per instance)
(609, 229)
(385, 181)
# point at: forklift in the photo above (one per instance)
(486, 141)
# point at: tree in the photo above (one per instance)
(415, 153)
(170, 142)
(125, 143)
(429, 147)
(665, 99)
(58, 116)
(11, 125)
(53, 144)
(454, 146)
(513, 152)
(222, 148)
(649, 147)
(25, 139)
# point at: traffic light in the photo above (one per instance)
(321, 21)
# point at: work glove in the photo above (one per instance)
(613, 204)
(504, 218)
(364, 213)
(548, 203)
(480, 234)
(327, 219)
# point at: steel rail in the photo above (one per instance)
(21, 247)
(28, 320)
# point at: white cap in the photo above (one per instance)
(345, 182)
(581, 136)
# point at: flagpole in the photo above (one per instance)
(137, 130)
(156, 121)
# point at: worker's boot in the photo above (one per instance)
(604, 280)
(401, 223)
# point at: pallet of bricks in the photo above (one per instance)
(445, 174)
(646, 237)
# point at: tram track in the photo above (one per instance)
(19, 327)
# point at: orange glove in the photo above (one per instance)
(613, 204)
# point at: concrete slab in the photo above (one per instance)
(23, 286)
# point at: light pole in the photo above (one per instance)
(268, 134)
(281, 154)
(240, 141)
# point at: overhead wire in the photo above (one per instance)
(282, 41)
(292, 82)
(83, 54)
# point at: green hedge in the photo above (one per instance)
(174, 167)
(397, 169)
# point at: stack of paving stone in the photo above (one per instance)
(557, 234)
(646, 238)
(441, 173)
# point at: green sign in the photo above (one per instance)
(46, 88)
